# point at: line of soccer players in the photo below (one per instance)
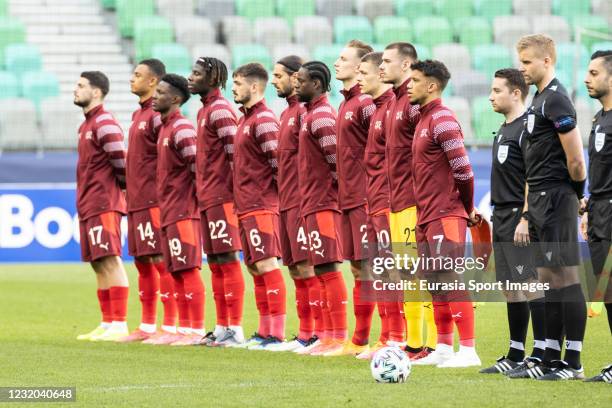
(388, 172)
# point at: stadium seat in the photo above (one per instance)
(485, 120)
(602, 45)
(554, 26)
(236, 30)
(22, 58)
(473, 31)
(489, 58)
(453, 9)
(414, 8)
(333, 8)
(4, 7)
(290, 9)
(215, 9)
(456, 57)
(508, 29)
(327, 54)
(18, 127)
(461, 107)
(172, 9)
(128, 11)
(271, 31)
(591, 23)
(148, 31)
(109, 4)
(194, 30)
(571, 8)
(39, 85)
(532, 7)
(59, 120)
(12, 31)
(244, 53)
(312, 31)
(283, 50)
(388, 29)
(218, 51)
(491, 9)
(255, 8)
(602, 8)
(566, 52)
(11, 87)
(175, 57)
(374, 8)
(470, 84)
(423, 51)
(431, 31)
(347, 28)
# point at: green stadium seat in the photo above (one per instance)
(290, 9)
(245, 53)
(485, 121)
(109, 4)
(12, 31)
(38, 86)
(175, 56)
(488, 58)
(453, 9)
(22, 58)
(569, 9)
(388, 29)
(255, 8)
(11, 87)
(327, 54)
(566, 53)
(423, 51)
(414, 8)
(4, 7)
(431, 31)
(591, 23)
(492, 8)
(347, 28)
(128, 11)
(602, 45)
(148, 31)
(473, 31)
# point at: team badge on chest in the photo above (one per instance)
(600, 139)
(530, 122)
(502, 153)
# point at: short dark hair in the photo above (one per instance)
(514, 79)
(361, 47)
(318, 70)
(433, 69)
(157, 68)
(252, 70)
(373, 57)
(607, 57)
(216, 69)
(98, 80)
(179, 84)
(404, 49)
(291, 63)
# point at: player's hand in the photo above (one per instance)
(521, 233)
(583, 205)
(584, 224)
(475, 218)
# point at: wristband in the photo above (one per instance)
(578, 187)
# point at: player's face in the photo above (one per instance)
(418, 88)
(162, 98)
(241, 89)
(198, 80)
(83, 93)
(532, 65)
(598, 82)
(282, 81)
(368, 78)
(141, 80)
(393, 66)
(305, 87)
(346, 64)
(501, 97)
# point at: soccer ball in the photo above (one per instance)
(390, 365)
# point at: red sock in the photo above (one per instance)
(277, 302)
(337, 299)
(363, 310)
(444, 322)
(216, 278)
(261, 300)
(384, 322)
(184, 318)
(105, 305)
(233, 284)
(328, 328)
(118, 301)
(194, 293)
(148, 287)
(303, 309)
(397, 321)
(463, 315)
(314, 301)
(166, 293)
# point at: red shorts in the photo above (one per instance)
(293, 239)
(100, 236)
(220, 233)
(354, 233)
(379, 234)
(144, 232)
(182, 246)
(324, 237)
(259, 236)
(442, 237)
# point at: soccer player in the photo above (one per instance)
(513, 263)
(596, 223)
(101, 203)
(444, 191)
(180, 229)
(556, 175)
(377, 191)
(256, 198)
(216, 129)
(144, 242)
(294, 243)
(353, 123)
(403, 118)
(319, 205)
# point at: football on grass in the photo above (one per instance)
(390, 365)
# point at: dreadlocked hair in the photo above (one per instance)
(216, 70)
(318, 70)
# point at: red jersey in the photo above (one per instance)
(255, 162)
(288, 137)
(377, 188)
(176, 154)
(214, 159)
(100, 165)
(443, 177)
(317, 158)
(141, 160)
(403, 118)
(353, 123)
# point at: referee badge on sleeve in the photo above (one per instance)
(530, 122)
(502, 153)
(600, 139)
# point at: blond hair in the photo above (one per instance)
(543, 45)
(361, 47)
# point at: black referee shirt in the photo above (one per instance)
(550, 113)
(508, 169)
(600, 156)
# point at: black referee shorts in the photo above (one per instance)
(599, 231)
(512, 263)
(553, 225)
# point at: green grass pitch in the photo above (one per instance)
(43, 307)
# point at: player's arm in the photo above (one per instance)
(110, 138)
(366, 112)
(224, 124)
(323, 129)
(521, 233)
(266, 134)
(185, 143)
